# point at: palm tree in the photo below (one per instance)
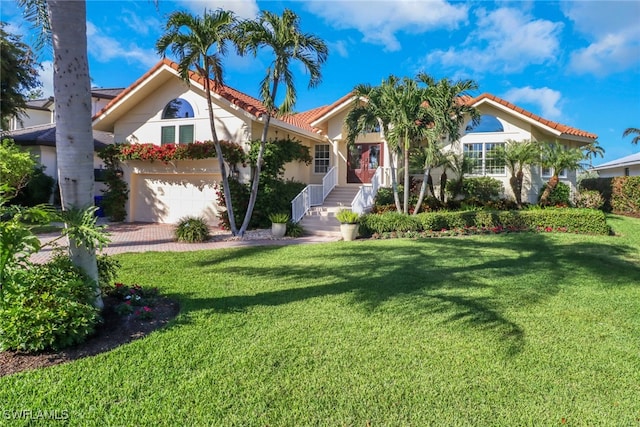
(630, 131)
(399, 105)
(63, 23)
(593, 150)
(283, 36)
(557, 158)
(200, 42)
(446, 108)
(516, 155)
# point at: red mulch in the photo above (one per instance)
(114, 331)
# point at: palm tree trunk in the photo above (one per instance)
(255, 181)
(517, 189)
(551, 185)
(423, 189)
(394, 181)
(220, 156)
(406, 177)
(74, 137)
(443, 184)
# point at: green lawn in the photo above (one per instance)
(516, 329)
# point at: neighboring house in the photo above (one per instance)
(36, 131)
(624, 166)
(161, 108)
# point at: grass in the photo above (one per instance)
(517, 329)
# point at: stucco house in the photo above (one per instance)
(160, 108)
(624, 166)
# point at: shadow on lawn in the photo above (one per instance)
(498, 274)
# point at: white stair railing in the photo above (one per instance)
(364, 200)
(313, 195)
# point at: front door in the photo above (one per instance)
(363, 161)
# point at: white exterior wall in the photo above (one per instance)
(32, 117)
(634, 170)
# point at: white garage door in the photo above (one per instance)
(167, 198)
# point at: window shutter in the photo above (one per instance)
(186, 134)
(168, 135)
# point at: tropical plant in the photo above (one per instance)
(346, 216)
(16, 167)
(279, 218)
(399, 106)
(447, 111)
(201, 42)
(281, 34)
(117, 192)
(631, 131)
(192, 230)
(593, 150)
(19, 75)
(517, 155)
(63, 24)
(556, 157)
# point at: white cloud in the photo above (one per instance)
(379, 22)
(505, 40)
(246, 9)
(339, 47)
(105, 49)
(546, 99)
(140, 25)
(46, 78)
(614, 34)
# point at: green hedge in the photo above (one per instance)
(589, 221)
(625, 196)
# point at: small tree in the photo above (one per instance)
(16, 167)
(19, 76)
(557, 158)
(516, 155)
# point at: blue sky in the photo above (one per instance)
(575, 62)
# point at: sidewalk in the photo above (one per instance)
(144, 237)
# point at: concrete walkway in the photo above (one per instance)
(144, 237)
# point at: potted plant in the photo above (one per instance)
(348, 224)
(278, 224)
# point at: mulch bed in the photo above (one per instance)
(114, 331)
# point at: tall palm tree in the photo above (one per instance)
(557, 158)
(516, 155)
(397, 104)
(448, 111)
(63, 24)
(369, 111)
(281, 34)
(593, 150)
(200, 42)
(631, 131)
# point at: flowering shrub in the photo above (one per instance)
(134, 300)
(233, 153)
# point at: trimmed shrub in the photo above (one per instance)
(590, 199)
(626, 194)
(294, 229)
(483, 189)
(192, 230)
(587, 221)
(50, 307)
(560, 196)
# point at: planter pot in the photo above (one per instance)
(278, 230)
(349, 231)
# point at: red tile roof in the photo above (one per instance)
(303, 120)
(568, 130)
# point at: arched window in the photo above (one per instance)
(177, 109)
(487, 123)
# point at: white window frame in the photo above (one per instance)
(483, 158)
(318, 162)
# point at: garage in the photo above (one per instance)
(164, 194)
